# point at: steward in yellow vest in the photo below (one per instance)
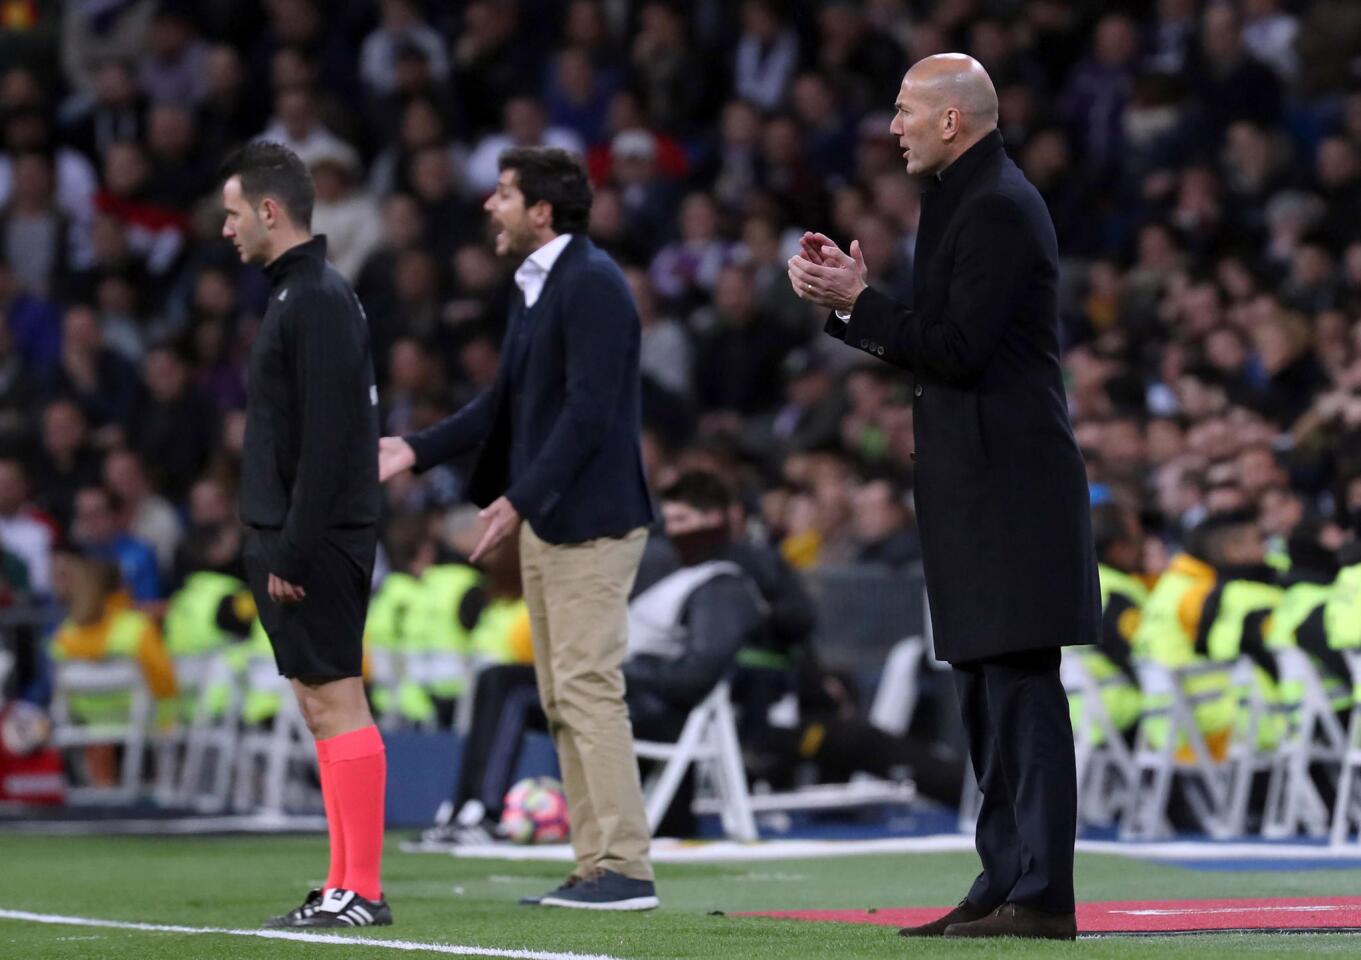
(388, 637)
(208, 613)
(253, 661)
(1342, 612)
(1300, 619)
(435, 620)
(102, 624)
(1175, 632)
(1119, 546)
(1233, 624)
(480, 616)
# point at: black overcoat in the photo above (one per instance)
(1000, 488)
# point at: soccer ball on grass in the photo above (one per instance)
(535, 811)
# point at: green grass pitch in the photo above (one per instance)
(234, 882)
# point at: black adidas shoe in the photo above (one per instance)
(296, 916)
(345, 908)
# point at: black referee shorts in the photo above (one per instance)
(321, 638)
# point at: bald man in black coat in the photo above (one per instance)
(1000, 487)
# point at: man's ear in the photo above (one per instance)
(270, 212)
(949, 124)
(541, 214)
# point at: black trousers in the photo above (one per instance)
(506, 706)
(1021, 744)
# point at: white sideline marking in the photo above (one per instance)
(407, 945)
(728, 851)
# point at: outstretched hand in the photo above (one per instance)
(394, 456)
(824, 274)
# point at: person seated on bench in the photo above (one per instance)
(686, 625)
(101, 624)
(767, 670)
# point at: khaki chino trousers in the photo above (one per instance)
(577, 594)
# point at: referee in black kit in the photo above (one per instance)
(310, 502)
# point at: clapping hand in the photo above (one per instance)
(822, 273)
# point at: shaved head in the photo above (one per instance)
(957, 80)
(945, 105)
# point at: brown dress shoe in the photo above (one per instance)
(1015, 920)
(963, 913)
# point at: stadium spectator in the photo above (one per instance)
(18, 393)
(115, 114)
(402, 26)
(65, 461)
(740, 349)
(218, 332)
(297, 124)
(229, 114)
(99, 526)
(212, 540)
(344, 212)
(150, 518)
(523, 124)
(883, 526)
(490, 65)
(174, 68)
(180, 173)
(97, 377)
(175, 427)
(685, 271)
(36, 237)
(24, 531)
(766, 56)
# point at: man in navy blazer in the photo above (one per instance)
(557, 445)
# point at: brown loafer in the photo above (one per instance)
(964, 913)
(1015, 920)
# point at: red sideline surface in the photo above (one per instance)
(1145, 916)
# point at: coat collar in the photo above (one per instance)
(543, 259)
(570, 254)
(966, 163)
(310, 253)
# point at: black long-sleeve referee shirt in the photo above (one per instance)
(310, 461)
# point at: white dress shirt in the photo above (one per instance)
(533, 273)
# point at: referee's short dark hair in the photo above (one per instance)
(557, 177)
(268, 169)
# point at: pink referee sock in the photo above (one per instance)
(359, 780)
(335, 877)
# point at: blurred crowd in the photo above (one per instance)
(1202, 162)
